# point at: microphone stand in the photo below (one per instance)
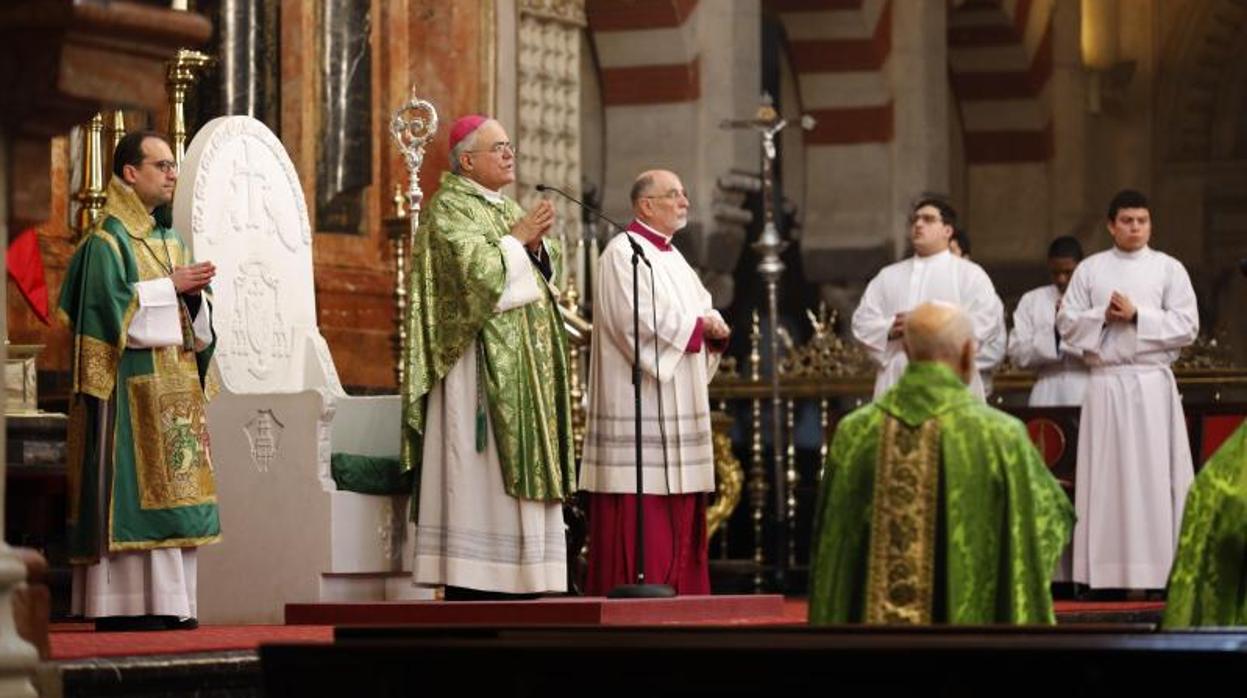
(641, 589)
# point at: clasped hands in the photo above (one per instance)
(897, 330)
(192, 278)
(534, 226)
(1120, 309)
(713, 327)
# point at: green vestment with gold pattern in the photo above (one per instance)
(935, 508)
(457, 276)
(143, 409)
(1208, 582)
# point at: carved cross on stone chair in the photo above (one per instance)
(292, 533)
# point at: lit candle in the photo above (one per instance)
(179, 5)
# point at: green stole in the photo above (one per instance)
(457, 276)
(158, 489)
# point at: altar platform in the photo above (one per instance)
(225, 659)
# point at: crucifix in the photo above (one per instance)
(769, 246)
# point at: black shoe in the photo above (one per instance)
(453, 593)
(126, 624)
(175, 623)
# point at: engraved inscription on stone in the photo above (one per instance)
(264, 436)
(240, 202)
(259, 336)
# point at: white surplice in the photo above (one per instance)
(991, 353)
(158, 582)
(902, 286)
(469, 531)
(1134, 460)
(1061, 375)
(609, 461)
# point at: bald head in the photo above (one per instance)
(938, 331)
(659, 201)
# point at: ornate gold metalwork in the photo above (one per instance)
(791, 479)
(824, 420)
(182, 72)
(413, 126)
(116, 130)
(91, 196)
(901, 567)
(579, 335)
(758, 487)
(825, 354)
(728, 474)
(1206, 353)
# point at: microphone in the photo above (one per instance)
(636, 249)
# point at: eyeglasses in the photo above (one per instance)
(673, 194)
(927, 218)
(497, 148)
(165, 166)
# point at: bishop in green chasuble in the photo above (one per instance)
(486, 400)
(934, 507)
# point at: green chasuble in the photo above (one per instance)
(457, 276)
(1208, 583)
(935, 508)
(142, 408)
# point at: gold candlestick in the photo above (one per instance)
(91, 196)
(182, 72)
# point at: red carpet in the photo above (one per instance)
(80, 641)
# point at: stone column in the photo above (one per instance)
(919, 78)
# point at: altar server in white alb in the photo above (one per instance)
(679, 355)
(1129, 311)
(932, 274)
(992, 353)
(1036, 345)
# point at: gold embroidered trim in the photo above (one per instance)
(124, 205)
(96, 373)
(150, 258)
(170, 433)
(174, 361)
(212, 381)
(123, 546)
(901, 566)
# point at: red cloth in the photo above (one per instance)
(694, 341)
(676, 549)
(25, 264)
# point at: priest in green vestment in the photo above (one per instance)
(934, 507)
(141, 490)
(486, 398)
(1208, 582)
